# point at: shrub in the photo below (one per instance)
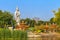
(14, 34)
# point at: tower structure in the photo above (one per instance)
(17, 15)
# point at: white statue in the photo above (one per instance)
(17, 15)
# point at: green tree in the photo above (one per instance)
(6, 18)
(57, 16)
(28, 20)
(51, 20)
(40, 22)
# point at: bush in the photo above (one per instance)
(17, 34)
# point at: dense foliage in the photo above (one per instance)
(56, 18)
(6, 19)
(6, 34)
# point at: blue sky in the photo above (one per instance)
(31, 8)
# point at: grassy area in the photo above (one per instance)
(6, 34)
